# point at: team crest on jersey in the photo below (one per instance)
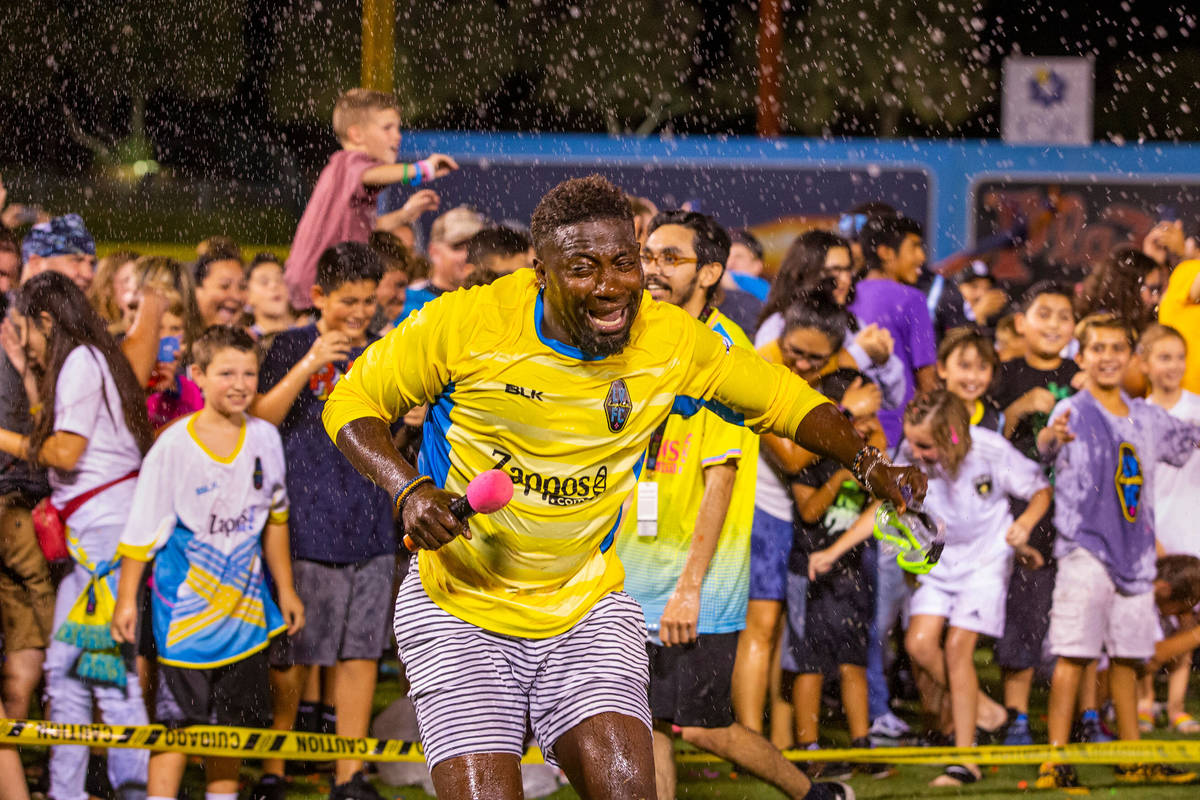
(1129, 480)
(617, 405)
(983, 485)
(258, 473)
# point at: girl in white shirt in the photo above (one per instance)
(90, 429)
(972, 474)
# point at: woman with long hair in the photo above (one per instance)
(90, 429)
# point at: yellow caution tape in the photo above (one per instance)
(213, 740)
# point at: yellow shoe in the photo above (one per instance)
(1059, 776)
(1153, 773)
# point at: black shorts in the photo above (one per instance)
(839, 611)
(691, 685)
(236, 694)
(1027, 618)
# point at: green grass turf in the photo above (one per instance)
(717, 781)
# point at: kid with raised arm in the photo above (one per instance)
(342, 206)
(210, 508)
(1105, 448)
(972, 474)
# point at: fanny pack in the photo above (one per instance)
(50, 522)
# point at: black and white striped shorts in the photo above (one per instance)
(476, 691)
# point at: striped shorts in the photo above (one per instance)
(476, 691)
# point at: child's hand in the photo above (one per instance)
(124, 622)
(442, 164)
(1029, 557)
(1060, 428)
(1038, 399)
(11, 343)
(329, 347)
(877, 342)
(819, 563)
(862, 400)
(1017, 535)
(421, 202)
(292, 609)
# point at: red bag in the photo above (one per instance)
(50, 522)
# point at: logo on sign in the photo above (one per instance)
(617, 405)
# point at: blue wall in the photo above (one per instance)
(938, 174)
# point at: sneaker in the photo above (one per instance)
(830, 791)
(935, 738)
(357, 788)
(889, 726)
(1089, 730)
(1018, 730)
(1153, 773)
(269, 787)
(875, 769)
(831, 770)
(1057, 776)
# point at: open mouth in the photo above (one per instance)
(610, 322)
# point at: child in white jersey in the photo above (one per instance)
(973, 472)
(210, 507)
(1162, 351)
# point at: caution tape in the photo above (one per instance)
(256, 743)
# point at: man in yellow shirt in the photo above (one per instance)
(558, 376)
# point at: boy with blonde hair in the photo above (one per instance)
(342, 206)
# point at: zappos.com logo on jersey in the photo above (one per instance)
(242, 523)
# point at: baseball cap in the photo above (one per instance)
(61, 236)
(456, 225)
(973, 271)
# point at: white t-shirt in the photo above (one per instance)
(974, 504)
(1175, 491)
(771, 495)
(87, 403)
(202, 517)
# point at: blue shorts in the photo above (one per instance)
(770, 546)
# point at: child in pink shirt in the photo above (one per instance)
(342, 206)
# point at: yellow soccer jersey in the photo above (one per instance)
(571, 431)
(653, 564)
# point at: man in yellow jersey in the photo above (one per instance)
(685, 544)
(558, 375)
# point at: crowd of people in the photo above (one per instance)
(193, 532)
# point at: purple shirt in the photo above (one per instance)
(1104, 484)
(902, 311)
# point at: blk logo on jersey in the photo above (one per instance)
(258, 473)
(983, 485)
(617, 405)
(1129, 480)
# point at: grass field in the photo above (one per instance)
(717, 781)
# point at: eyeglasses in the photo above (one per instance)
(814, 360)
(848, 269)
(667, 261)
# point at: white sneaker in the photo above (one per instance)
(889, 726)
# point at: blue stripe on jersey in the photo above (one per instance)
(562, 348)
(611, 536)
(688, 406)
(434, 458)
(719, 328)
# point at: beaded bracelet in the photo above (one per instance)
(865, 460)
(405, 490)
